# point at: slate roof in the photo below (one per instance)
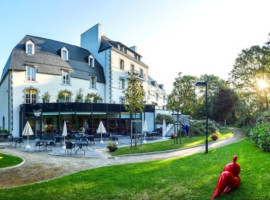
(108, 43)
(48, 60)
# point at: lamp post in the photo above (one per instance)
(204, 83)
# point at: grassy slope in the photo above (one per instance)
(169, 144)
(192, 177)
(8, 160)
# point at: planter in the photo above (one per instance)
(214, 138)
(79, 101)
(46, 101)
(60, 100)
(112, 149)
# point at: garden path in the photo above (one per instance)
(41, 166)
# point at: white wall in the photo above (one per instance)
(47, 83)
(118, 73)
(4, 102)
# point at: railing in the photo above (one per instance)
(138, 74)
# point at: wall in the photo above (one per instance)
(4, 102)
(118, 73)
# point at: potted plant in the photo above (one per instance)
(61, 97)
(46, 97)
(79, 96)
(89, 98)
(215, 136)
(112, 146)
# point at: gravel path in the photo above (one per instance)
(42, 166)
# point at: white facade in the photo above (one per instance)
(44, 83)
(14, 83)
(110, 60)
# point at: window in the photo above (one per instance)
(141, 73)
(93, 81)
(156, 96)
(122, 83)
(30, 73)
(122, 100)
(30, 47)
(30, 96)
(66, 77)
(91, 62)
(67, 96)
(122, 64)
(64, 53)
(132, 68)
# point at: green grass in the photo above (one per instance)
(8, 160)
(192, 177)
(169, 144)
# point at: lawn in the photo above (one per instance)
(7, 160)
(192, 177)
(169, 144)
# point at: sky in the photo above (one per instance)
(194, 37)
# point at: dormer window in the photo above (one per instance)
(64, 53)
(30, 47)
(91, 61)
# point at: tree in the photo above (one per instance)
(182, 98)
(250, 77)
(225, 104)
(183, 94)
(134, 97)
(214, 83)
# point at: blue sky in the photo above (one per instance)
(189, 36)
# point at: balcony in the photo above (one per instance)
(138, 74)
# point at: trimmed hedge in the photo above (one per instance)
(168, 119)
(198, 127)
(260, 134)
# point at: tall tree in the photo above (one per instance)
(182, 97)
(250, 77)
(225, 104)
(134, 97)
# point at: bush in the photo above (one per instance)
(260, 134)
(168, 118)
(198, 127)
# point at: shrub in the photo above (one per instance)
(260, 134)
(198, 127)
(168, 118)
(215, 136)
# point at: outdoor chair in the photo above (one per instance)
(39, 144)
(91, 140)
(69, 146)
(10, 140)
(58, 140)
(47, 144)
(19, 141)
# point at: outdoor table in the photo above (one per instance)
(17, 140)
(114, 137)
(80, 145)
(47, 143)
(59, 138)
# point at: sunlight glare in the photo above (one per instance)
(262, 84)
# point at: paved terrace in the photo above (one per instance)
(40, 166)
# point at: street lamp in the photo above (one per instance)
(204, 83)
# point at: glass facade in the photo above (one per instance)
(79, 117)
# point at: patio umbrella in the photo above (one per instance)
(64, 133)
(164, 129)
(101, 129)
(27, 131)
(144, 130)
